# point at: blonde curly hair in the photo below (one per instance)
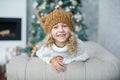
(71, 44)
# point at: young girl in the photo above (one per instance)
(61, 45)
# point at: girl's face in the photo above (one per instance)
(60, 32)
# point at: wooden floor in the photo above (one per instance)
(2, 72)
(2, 77)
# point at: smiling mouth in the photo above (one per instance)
(61, 35)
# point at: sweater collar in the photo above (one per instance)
(57, 49)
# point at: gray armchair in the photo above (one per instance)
(102, 65)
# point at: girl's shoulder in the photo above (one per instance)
(43, 48)
(79, 41)
(81, 44)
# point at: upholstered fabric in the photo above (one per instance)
(102, 65)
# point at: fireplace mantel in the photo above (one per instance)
(13, 9)
(10, 29)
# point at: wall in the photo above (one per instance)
(30, 12)
(103, 20)
(109, 25)
(90, 11)
(13, 9)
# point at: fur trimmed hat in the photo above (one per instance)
(56, 17)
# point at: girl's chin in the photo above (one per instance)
(61, 40)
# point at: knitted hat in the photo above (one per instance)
(56, 17)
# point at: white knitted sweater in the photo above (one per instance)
(46, 54)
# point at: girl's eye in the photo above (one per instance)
(55, 27)
(64, 25)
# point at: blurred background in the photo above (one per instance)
(95, 20)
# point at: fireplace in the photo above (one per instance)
(10, 29)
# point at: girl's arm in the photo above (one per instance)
(42, 54)
(81, 54)
(56, 62)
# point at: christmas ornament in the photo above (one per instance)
(78, 17)
(43, 6)
(67, 9)
(57, 6)
(52, 5)
(35, 4)
(60, 2)
(38, 21)
(39, 28)
(72, 7)
(35, 48)
(41, 14)
(33, 16)
(74, 2)
(78, 28)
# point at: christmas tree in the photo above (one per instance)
(44, 7)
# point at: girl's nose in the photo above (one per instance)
(60, 28)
